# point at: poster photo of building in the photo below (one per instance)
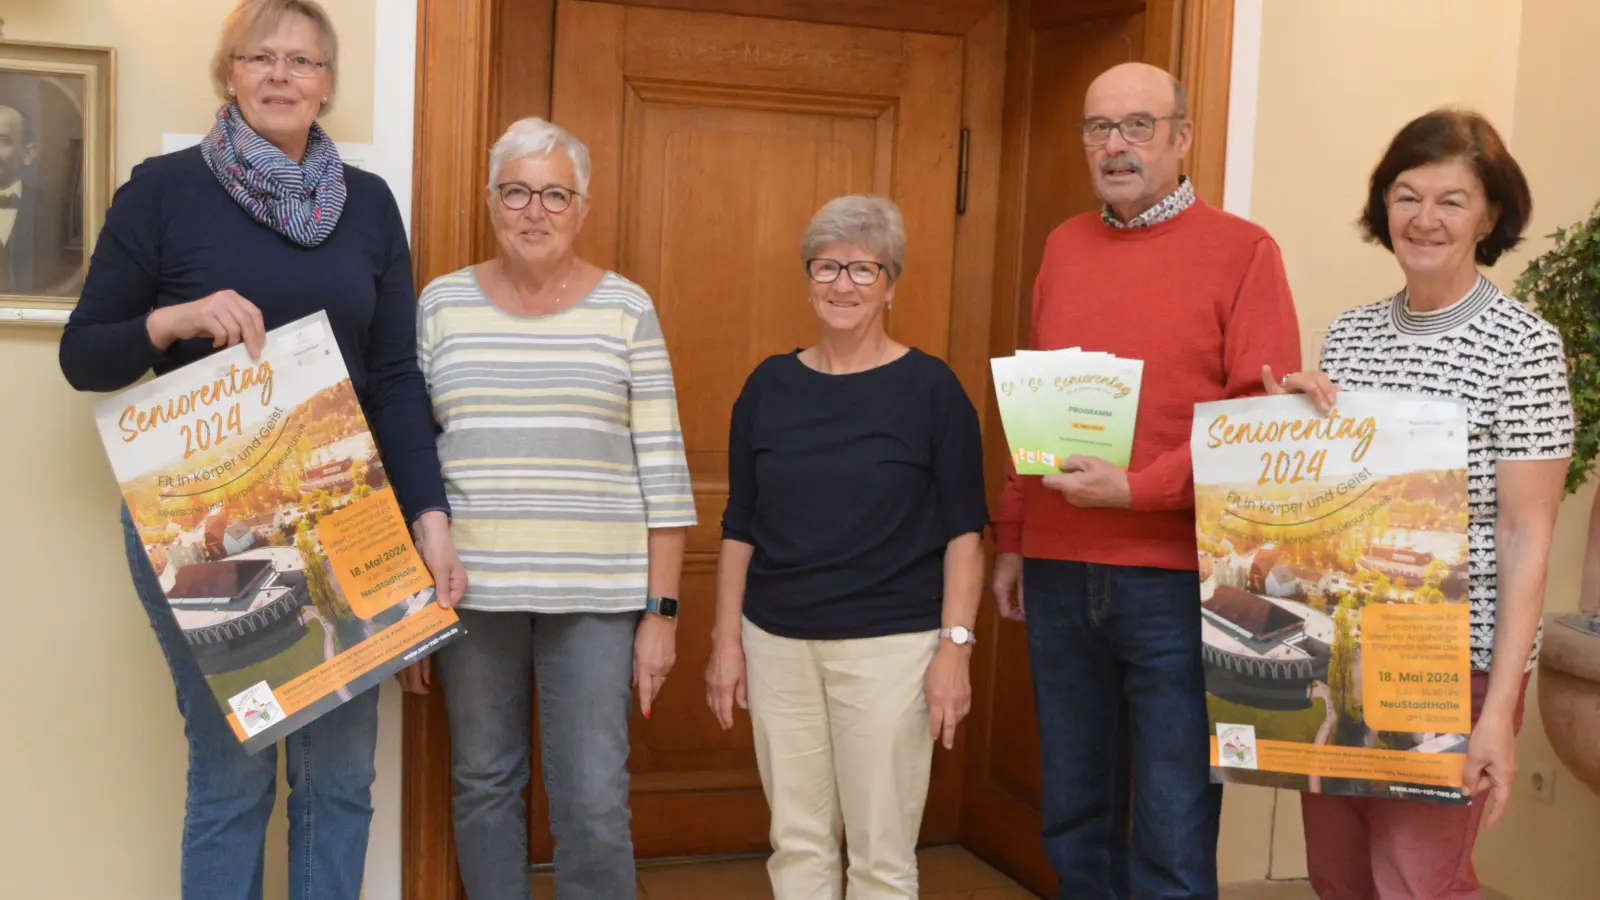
(1333, 557)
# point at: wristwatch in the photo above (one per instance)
(959, 634)
(665, 607)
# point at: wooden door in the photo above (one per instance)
(714, 138)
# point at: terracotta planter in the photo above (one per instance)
(1569, 692)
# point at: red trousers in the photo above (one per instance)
(1374, 848)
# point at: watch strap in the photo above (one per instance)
(967, 637)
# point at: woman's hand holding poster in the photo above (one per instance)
(265, 510)
(1333, 566)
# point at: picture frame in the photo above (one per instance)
(57, 172)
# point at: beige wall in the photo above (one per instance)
(1337, 79)
(91, 746)
(1544, 852)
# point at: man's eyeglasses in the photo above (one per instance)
(1135, 129)
(555, 199)
(299, 66)
(862, 271)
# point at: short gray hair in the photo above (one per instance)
(250, 19)
(536, 137)
(1180, 100)
(862, 220)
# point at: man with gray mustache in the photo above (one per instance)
(1108, 556)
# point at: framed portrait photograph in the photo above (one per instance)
(57, 168)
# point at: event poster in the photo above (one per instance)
(259, 495)
(1334, 608)
(1055, 404)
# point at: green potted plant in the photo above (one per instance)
(1563, 285)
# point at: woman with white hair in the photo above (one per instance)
(565, 468)
(259, 226)
(851, 570)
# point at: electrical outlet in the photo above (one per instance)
(1540, 780)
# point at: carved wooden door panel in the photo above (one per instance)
(714, 139)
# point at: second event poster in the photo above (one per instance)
(1333, 561)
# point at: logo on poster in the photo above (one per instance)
(256, 708)
(1236, 746)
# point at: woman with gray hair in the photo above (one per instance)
(205, 248)
(851, 570)
(565, 468)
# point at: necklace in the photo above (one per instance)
(555, 304)
(531, 305)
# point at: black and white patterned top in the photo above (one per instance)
(1169, 207)
(1505, 362)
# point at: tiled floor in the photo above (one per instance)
(947, 873)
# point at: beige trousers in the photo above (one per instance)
(842, 743)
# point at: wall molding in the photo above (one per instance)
(1244, 82)
(391, 155)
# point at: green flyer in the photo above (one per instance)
(1062, 403)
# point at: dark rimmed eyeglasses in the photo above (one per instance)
(1135, 129)
(299, 66)
(862, 271)
(555, 199)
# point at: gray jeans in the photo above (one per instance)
(583, 664)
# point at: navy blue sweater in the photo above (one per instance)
(174, 235)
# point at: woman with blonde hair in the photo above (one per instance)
(261, 225)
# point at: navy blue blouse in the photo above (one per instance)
(173, 235)
(849, 487)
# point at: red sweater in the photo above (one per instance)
(1203, 300)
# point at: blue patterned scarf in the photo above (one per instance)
(300, 201)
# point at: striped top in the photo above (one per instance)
(560, 443)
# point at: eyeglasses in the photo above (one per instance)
(862, 271)
(1135, 129)
(516, 195)
(299, 66)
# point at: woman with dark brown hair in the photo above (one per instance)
(1445, 199)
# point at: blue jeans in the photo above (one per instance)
(231, 792)
(583, 663)
(1120, 694)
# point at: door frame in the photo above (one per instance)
(481, 64)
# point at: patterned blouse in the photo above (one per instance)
(1509, 367)
(560, 444)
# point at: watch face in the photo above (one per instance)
(960, 634)
(668, 607)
